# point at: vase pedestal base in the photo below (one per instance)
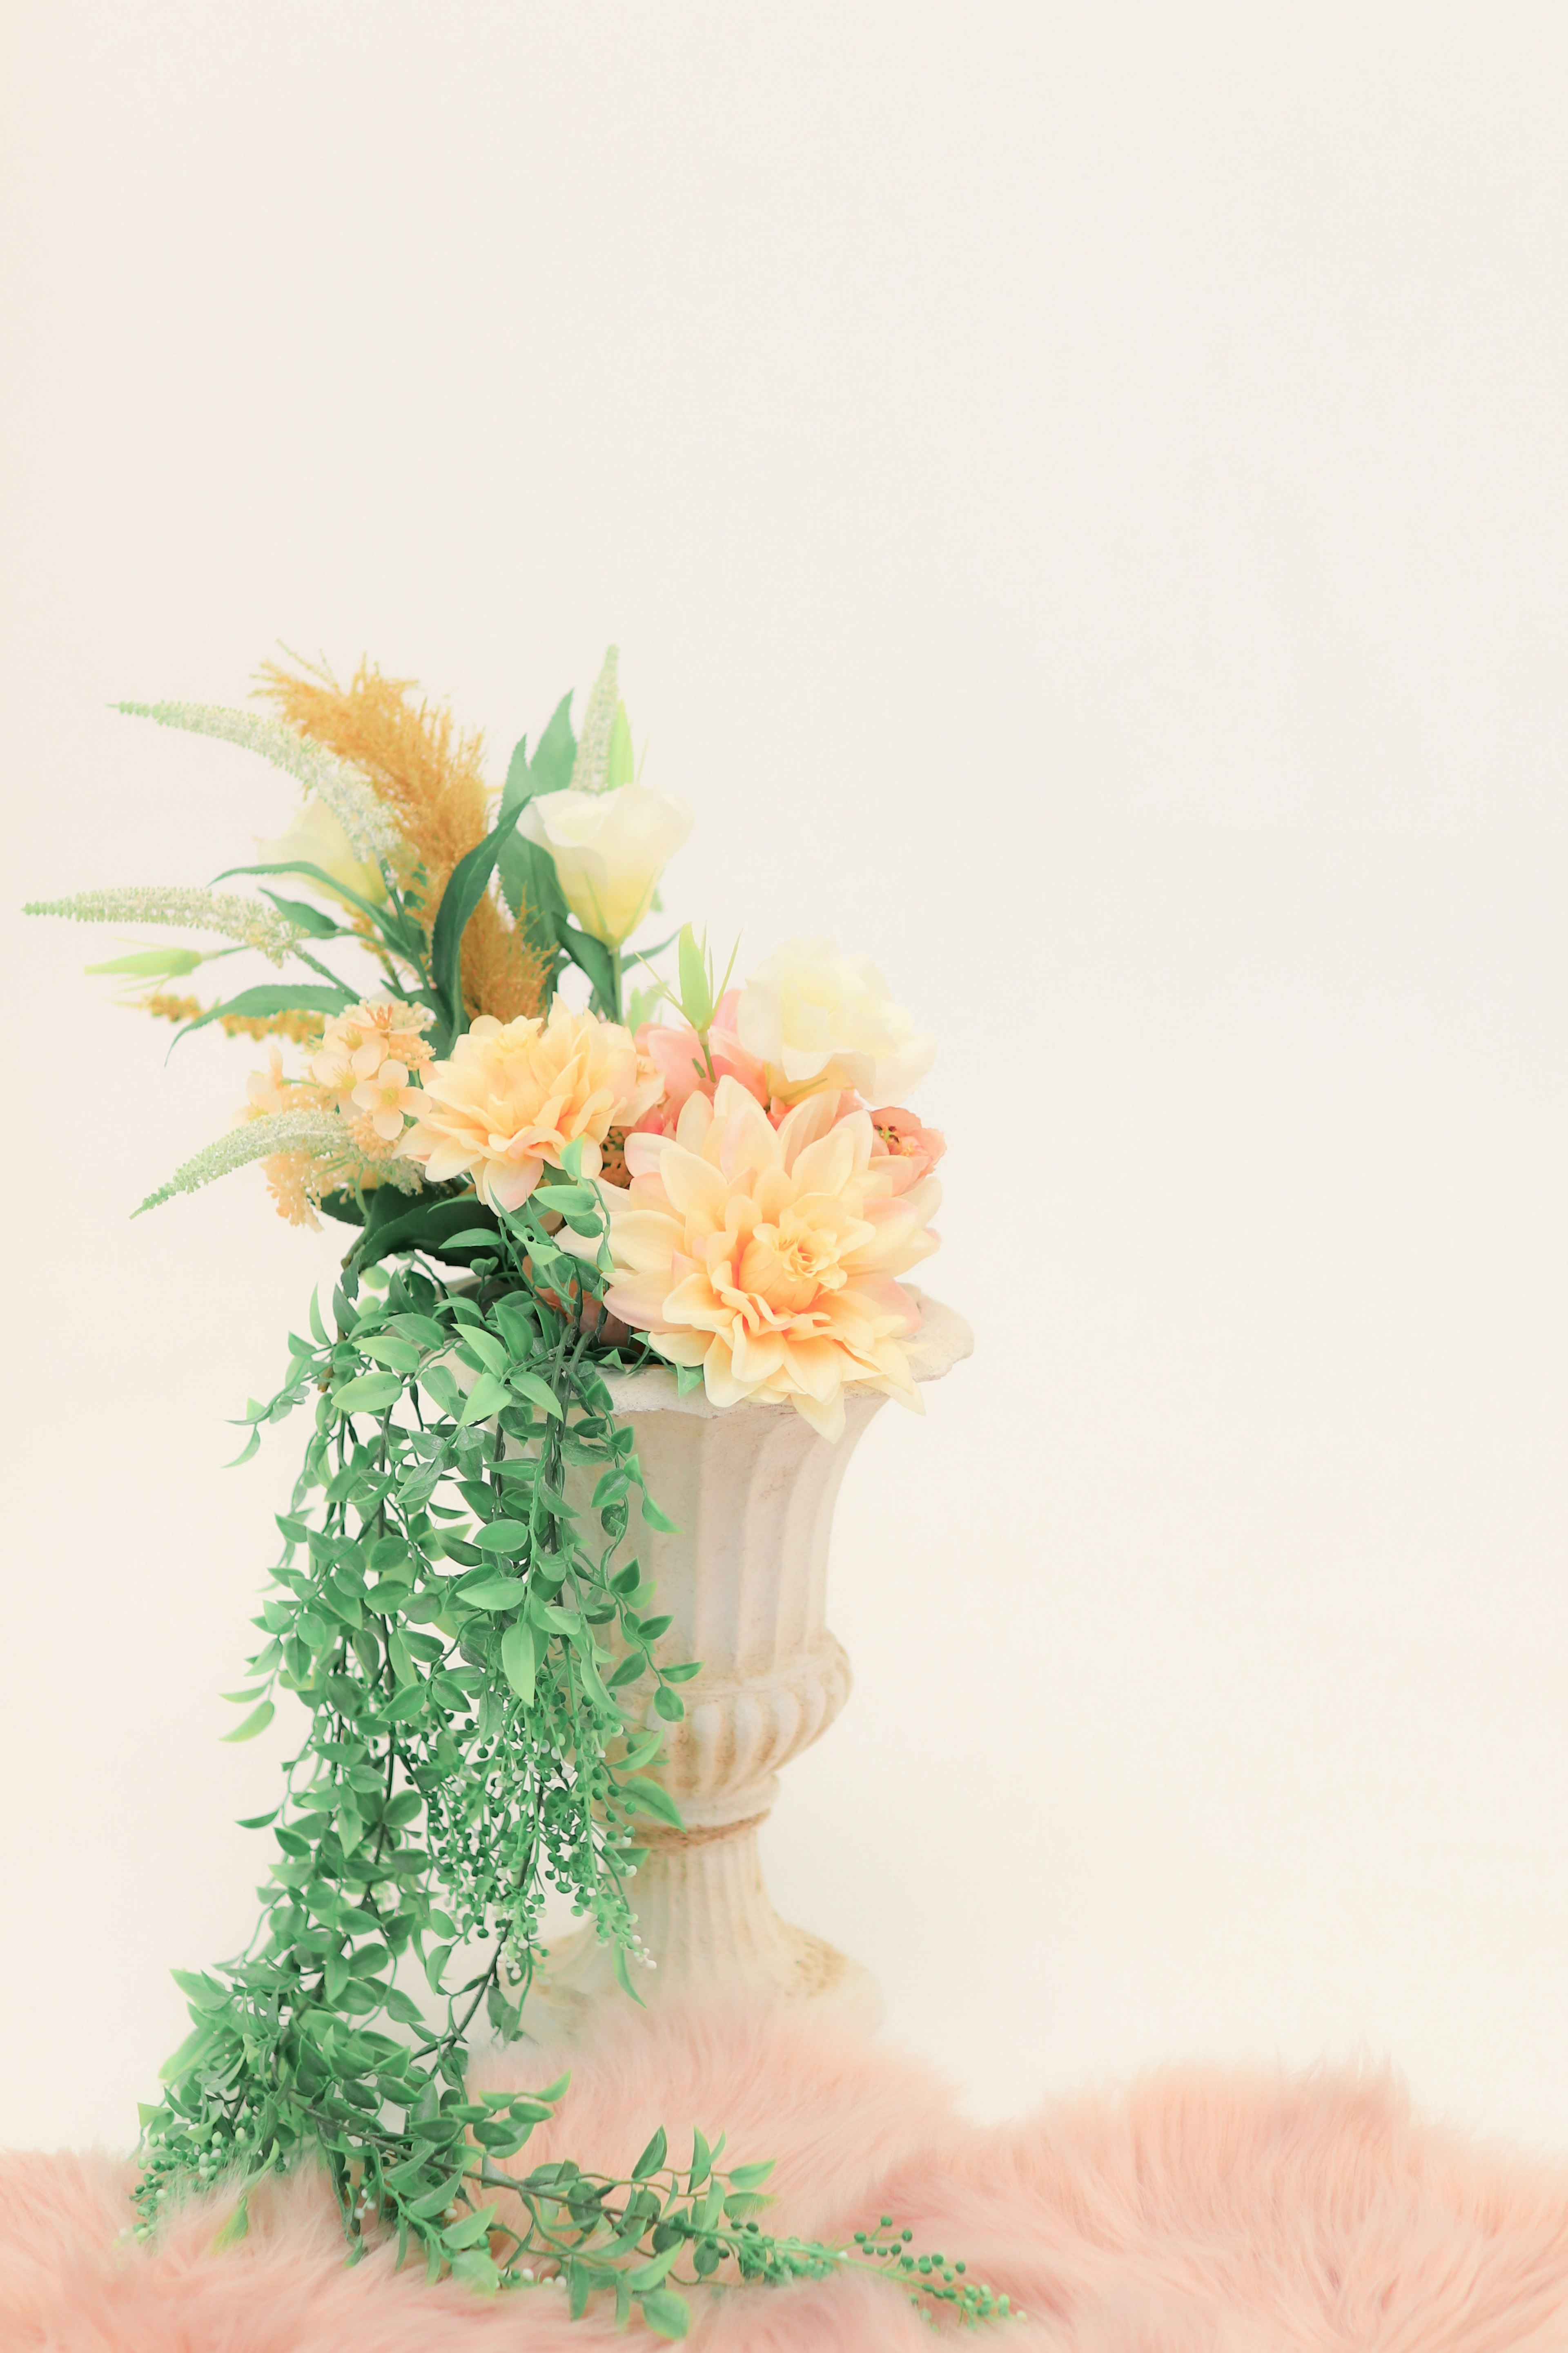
(710, 1927)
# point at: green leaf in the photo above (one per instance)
(368, 1393)
(696, 1002)
(235, 2229)
(652, 2158)
(476, 2269)
(471, 2229)
(550, 771)
(306, 916)
(440, 1382)
(467, 884)
(495, 1593)
(274, 996)
(398, 1355)
(519, 1659)
(204, 1991)
(452, 1223)
(649, 2274)
(666, 2312)
(655, 1518)
(181, 2061)
(591, 957)
(501, 1535)
(532, 1385)
(485, 1398)
(256, 1721)
(752, 2177)
(653, 1798)
(484, 1346)
(153, 963)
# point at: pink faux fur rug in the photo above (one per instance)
(1197, 2213)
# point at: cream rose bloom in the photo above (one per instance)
(316, 838)
(768, 1255)
(609, 851)
(818, 1019)
(510, 1097)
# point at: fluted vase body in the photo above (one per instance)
(751, 1490)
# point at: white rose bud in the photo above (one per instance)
(609, 849)
(819, 1020)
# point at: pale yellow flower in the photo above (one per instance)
(511, 1097)
(609, 851)
(816, 1018)
(768, 1255)
(318, 838)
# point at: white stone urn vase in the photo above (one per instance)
(750, 1489)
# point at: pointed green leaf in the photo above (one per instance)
(471, 2229)
(533, 1387)
(695, 1000)
(485, 1398)
(274, 996)
(495, 1593)
(666, 2313)
(653, 1799)
(368, 1393)
(466, 886)
(519, 1659)
(501, 1535)
(256, 1721)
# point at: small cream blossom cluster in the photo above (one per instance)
(365, 1065)
(362, 1072)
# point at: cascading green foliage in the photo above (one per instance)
(441, 1608)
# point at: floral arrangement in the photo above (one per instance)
(542, 1191)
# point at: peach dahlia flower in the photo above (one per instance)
(768, 1255)
(512, 1096)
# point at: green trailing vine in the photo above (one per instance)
(442, 1610)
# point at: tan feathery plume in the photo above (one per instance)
(164, 1007)
(428, 775)
(425, 773)
(503, 973)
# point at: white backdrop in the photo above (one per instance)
(1080, 493)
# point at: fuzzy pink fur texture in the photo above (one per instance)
(1198, 2211)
